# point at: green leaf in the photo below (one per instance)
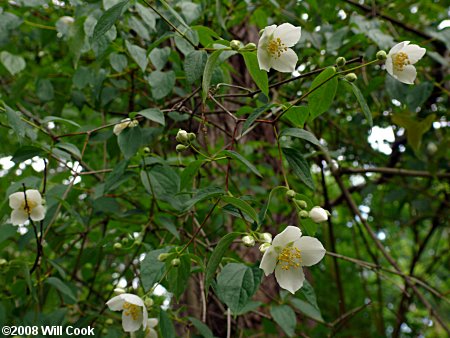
(284, 316)
(310, 226)
(138, 54)
(297, 115)
(299, 166)
(147, 15)
(236, 285)
(153, 114)
(115, 175)
(414, 129)
(70, 148)
(26, 152)
(130, 141)
(118, 61)
(166, 325)
(151, 268)
(189, 172)
(208, 72)
(44, 90)
(258, 75)
(309, 293)
(159, 57)
(15, 121)
(307, 309)
(178, 276)
(321, 98)
(13, 63)
(161, 83)
(254, 116)
(243, 160)
(418, 95)
(302, 134)
(216, 257)
(263, 211)
(107, 20)
(61, 287)
(194, 65)
(59, 119)
(204, 330)
(362, 103)
(241, 205)
(203, 194)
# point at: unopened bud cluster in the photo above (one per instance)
(185, 139)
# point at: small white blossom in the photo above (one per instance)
(134, 312)
(26, 205)
(400, 60)
(248, 241)
(125, 123)
(287, 255)
(273, 48)
(150, 331)
(182, 136)
(318, 214)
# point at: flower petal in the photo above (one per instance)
(144, 316)
(151, 333)
(389, 66)
(269, 261)
(115, 303)
(407, 75)
(398, 47)
(34, 195)
(152, 322)
(16, 199)
(288, 34)
(38, 213)
(288, 235)
(268, 31)
(129, 324)
(132, 299)
(311, 249)
(286, 62)
(19, 216)
(291, 279)
(415, 53)
(264, 59)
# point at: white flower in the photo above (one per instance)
(134, 312)
(150, 332)
(125, 123)
(26, 205)
(248, 241)
(400, 60)
(273, 48)
(318, 214)
(287, 255)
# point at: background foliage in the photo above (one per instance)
(69, 72)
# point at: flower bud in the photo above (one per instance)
(302, 204)
(162, 257)
(125, 240)
(318, 214)
(180, 147)
(250, 46)
(381, 55)
(148, 302)
(432, 148)
(109, 321)
(182, 136)
(235, 44)
(265, 237)
(3, 261)
(175, 262)
(248, 241)
(192, 136)
(303, 214)
(147, 150)
(133, 123)
(341, 61)
(290, 194)
(119, 291)
(263, 247)
(351, 77)
(117, 246)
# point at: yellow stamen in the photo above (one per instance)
(400, 60)
(131, 310)
(28, 206)
(276, 47)
(289, 257)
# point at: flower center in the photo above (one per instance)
(131, 310)
(276, 47)
(28, 206)
(289, 257)
(400, 60)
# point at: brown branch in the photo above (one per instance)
(393, 171)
